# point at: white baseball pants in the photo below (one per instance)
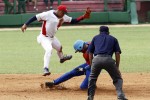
(48, 44)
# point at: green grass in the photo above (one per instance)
(20, 53)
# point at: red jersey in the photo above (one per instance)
(86, 54)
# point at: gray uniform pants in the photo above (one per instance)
(106, 62)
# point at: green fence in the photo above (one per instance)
(96, 18)
(129, 15)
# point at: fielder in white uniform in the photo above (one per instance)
(52, 20)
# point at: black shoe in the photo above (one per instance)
(49, 84)
(66, 57)
(46, 72)
(122, 98)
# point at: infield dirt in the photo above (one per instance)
(27, 87)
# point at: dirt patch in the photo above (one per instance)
(27, 87)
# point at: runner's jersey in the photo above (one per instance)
(51, 22)
(86, 55)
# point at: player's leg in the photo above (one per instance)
(117, 79)
(46, 44)
(6, 8)
(84, 84)
(35, 5)
(10, 7)
(46, 4)
(70, 74)
(58, 47)
(67, 76)
(24, 6)
(19, 6)
(51, 4)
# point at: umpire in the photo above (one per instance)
(102, 47)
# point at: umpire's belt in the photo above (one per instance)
(103, 55)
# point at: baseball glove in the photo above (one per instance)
(87, 13)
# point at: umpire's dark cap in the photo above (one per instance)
(104, 29)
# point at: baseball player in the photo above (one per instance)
(83, 69)
(52, 20)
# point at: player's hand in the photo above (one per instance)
(24, 27)
(87, 13)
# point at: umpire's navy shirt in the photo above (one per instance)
(104, 43)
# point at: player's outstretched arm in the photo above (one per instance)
(86, 15)
(24, 27)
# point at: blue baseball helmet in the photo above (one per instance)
(78, 45)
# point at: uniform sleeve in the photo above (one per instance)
(117, 47)
(31, 20)
(67, 18)
(42, 16)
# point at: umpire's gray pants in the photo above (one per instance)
(106, 62)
